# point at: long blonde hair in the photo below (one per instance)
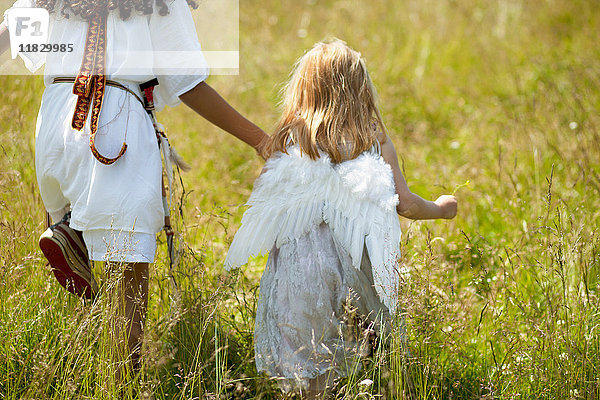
(330, 104)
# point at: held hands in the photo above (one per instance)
(447, 205)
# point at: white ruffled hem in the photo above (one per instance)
(120, 246)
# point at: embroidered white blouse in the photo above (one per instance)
(138, 49)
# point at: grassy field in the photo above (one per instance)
(501, 303)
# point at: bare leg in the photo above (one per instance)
(318, 388)
(131, 295)
(136, 304)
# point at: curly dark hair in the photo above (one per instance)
(87, 8)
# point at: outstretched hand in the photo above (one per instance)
(448, 206)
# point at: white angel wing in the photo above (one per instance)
(355, 198)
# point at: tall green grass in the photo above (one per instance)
(500, 303)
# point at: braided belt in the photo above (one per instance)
(90, 84)
(108, 83)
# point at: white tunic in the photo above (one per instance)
(119, 206)
(334, 235)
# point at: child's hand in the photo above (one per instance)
(447, 205)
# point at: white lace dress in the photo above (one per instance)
(315, 310)
(331, 277)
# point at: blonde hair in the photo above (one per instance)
(330, 104)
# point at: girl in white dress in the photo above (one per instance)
(116, 209)
(326, 208)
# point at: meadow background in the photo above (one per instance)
(501, 302)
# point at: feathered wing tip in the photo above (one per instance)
(178, 160)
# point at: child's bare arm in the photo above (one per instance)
(208, 103)
(411, 205)
(4, 38)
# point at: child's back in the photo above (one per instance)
(325, 225)
(325, 206)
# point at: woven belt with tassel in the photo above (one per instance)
(90, 84)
